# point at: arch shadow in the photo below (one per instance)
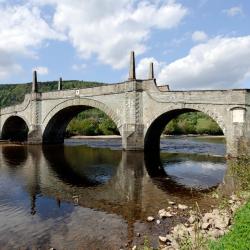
(79, 174)
(15, 129)
(15, 156)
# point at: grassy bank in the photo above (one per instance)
(239, 235)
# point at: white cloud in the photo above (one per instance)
(22, 27)
(110, 29)
(22, 30)
(142, 69)
(8, 65)
(79, 67)
(41, 70)
(220, 63)
(234, 11)
(107, 30)
(199, 36)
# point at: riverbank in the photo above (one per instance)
(194, 135)
(225, 226)
(95, 137)
(163, 136)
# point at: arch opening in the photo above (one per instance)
(184, 160)
(15, 129)
(78, 120)
(166, 122)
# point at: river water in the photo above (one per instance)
(89, 194)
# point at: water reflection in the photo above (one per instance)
(81, 166)
(75, 196)
(184, 173)
(195, 171)
(14, 157)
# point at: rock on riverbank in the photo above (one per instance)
(200, 227)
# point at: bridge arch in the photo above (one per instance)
(15, 128)
(58, 118)
(156, 125)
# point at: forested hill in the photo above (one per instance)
(11, 94)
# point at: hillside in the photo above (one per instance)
(11, 94)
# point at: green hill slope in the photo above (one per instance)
(11, 94)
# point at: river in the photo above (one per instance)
(89, 194)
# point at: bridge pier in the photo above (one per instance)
(35, 135)
(133, 137)
(238, 136)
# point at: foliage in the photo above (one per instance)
(192, 123)
(146, 244)
(239, 236)
(92, 122)
(11, 94)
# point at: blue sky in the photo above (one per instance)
(194, 44)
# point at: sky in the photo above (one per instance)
(194, 44)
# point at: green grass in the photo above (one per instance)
(239, 236)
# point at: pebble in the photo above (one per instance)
(205, 225)
(164, 214)
(182, 207)
(171, 203)
(163, 239)
(158, 222)
(150, 218)
(192, 219)
(234, 197)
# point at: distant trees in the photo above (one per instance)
(11, 94)
(92, 122)
(193, 123)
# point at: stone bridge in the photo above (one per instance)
(139, 108)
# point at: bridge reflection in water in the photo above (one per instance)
(88, 196)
